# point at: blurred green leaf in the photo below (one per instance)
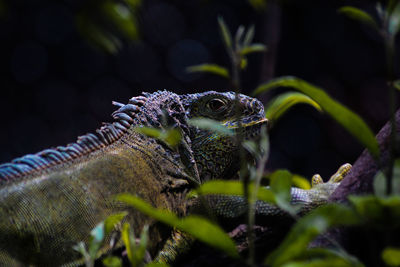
(379, 184)
(111, 221)
(235, 188)
(348, 119)
(198, 227)
(307, 228)
(141, 248)
(134, 4)
(258, 4)
(225, 33)
(281, 181)
(283, 102)
(249, 36)
(122, 17)
(239, 35)
(396, 84)
(96, 35)
(129, 240)
(317, 256)
(359, 15)
(135, 252)
(211, 68)
(280, 184)
(81, 248)
(171, 137)
(328, 262)
(112, 261)
(243, 63)
(300, 182)
(253, 48)
(396, 177)
(149, 131)
(391, 256)
(97, 236)
(211, 125)
(394, 20)
(377, 211)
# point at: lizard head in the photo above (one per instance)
(217, 155)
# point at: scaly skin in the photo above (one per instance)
(51, 200)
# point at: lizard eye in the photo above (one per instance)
(216, 104)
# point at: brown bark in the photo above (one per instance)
(360, 178)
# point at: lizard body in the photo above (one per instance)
(51, 200)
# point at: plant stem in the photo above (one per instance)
(236, 59)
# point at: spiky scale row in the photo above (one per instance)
(107, 134)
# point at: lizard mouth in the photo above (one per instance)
(250, 129)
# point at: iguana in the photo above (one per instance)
(49, 201)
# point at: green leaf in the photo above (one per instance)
(225, 33)
(140, 251)
(396, 84)
(348, 119)
(394, 20)
(239, 35)
(283, 102)
(243, 63)
(128, 238)
(96, 35)
(396, 177)
(280, 184)
(301, 182)
(149, 131)
(359, 15)
(122, 17)
(379, 184)
(198, 227)
(223, 187)
(171, 137)
(249, 36)
(211, 68)
(307, 228)
(112, 261)
(211, 125)
(391, 256)
(253, 48)
(97, 237)
(111, 221)
(377, 211)
(258, 4)
(81, 248)
(329, 262)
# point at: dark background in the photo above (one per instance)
(56, 84)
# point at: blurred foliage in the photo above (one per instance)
(278, 106)
(109, 23)
(200, 228)
(345, 117)
(171, 137)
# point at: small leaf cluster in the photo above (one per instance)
(237, 49)
(109, 23)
